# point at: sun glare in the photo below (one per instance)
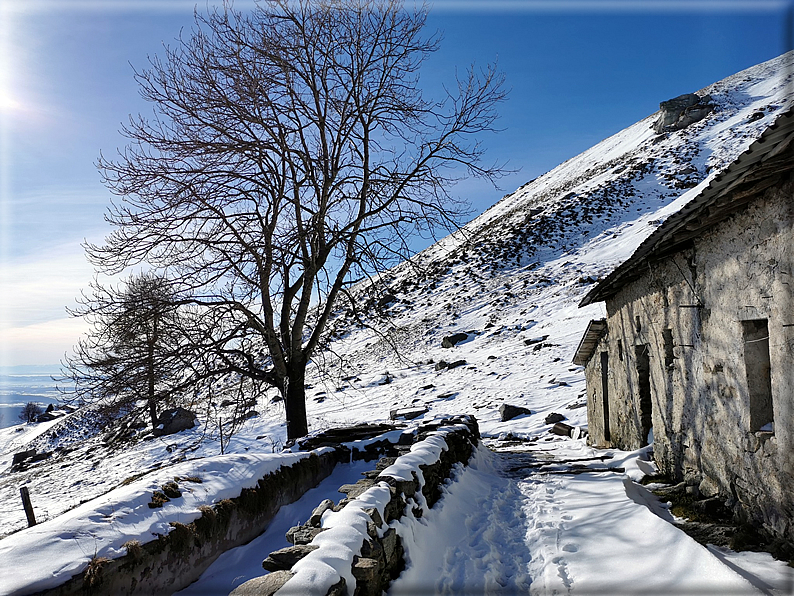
(8, 103)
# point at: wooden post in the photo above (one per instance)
(28, 506)
(220, 425)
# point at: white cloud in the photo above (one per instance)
(42, 343)
(37, 288)
(34, 326)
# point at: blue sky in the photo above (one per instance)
(578, 71)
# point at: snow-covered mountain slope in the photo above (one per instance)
(511, 280)
(516, 273)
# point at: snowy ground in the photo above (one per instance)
(511, 280)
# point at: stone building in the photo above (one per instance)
(696, 353)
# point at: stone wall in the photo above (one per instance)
(373, 512)
(176, 559)
(700, 311)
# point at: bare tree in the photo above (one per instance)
(137, 350)
(291, 152)
(30, 412)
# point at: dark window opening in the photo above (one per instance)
(605, 393)
(759, 374)
(620, 350)
(644, 384)
(637, 324)
(667, 335)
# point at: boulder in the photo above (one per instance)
(266, 585)
(338, 589)
(317, 515)
(712, 507)
(22, 456)
(302, 534)
(367, 573)
(535, 340)
(392, 548)
(348, 434)
(443, 365)
(708, 487)
(562, 429)
(508, 412)
(407, 438)
(376, 518)
(173, 421)
(359, 488)
(554, 417)
(451, 341)
(407, 413)
(371, 548)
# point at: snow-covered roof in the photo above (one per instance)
(758, 168)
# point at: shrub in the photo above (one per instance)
(30, 411)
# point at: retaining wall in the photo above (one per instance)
(175, 560)
(357, 549)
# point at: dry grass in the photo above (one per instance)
(93, 574)
(134, 549)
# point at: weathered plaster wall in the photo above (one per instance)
(638, 316)
(596, 419)
(745, 267)
(741, 270)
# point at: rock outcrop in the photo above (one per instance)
(450, 341)
(681, 111)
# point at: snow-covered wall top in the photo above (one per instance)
(345, 531)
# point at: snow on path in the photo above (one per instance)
(504, 528)
(587, 536)
(602, 533)
(472, 541)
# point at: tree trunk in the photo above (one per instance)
(150, 396)
(294, 394)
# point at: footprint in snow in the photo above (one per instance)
(570, 548)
